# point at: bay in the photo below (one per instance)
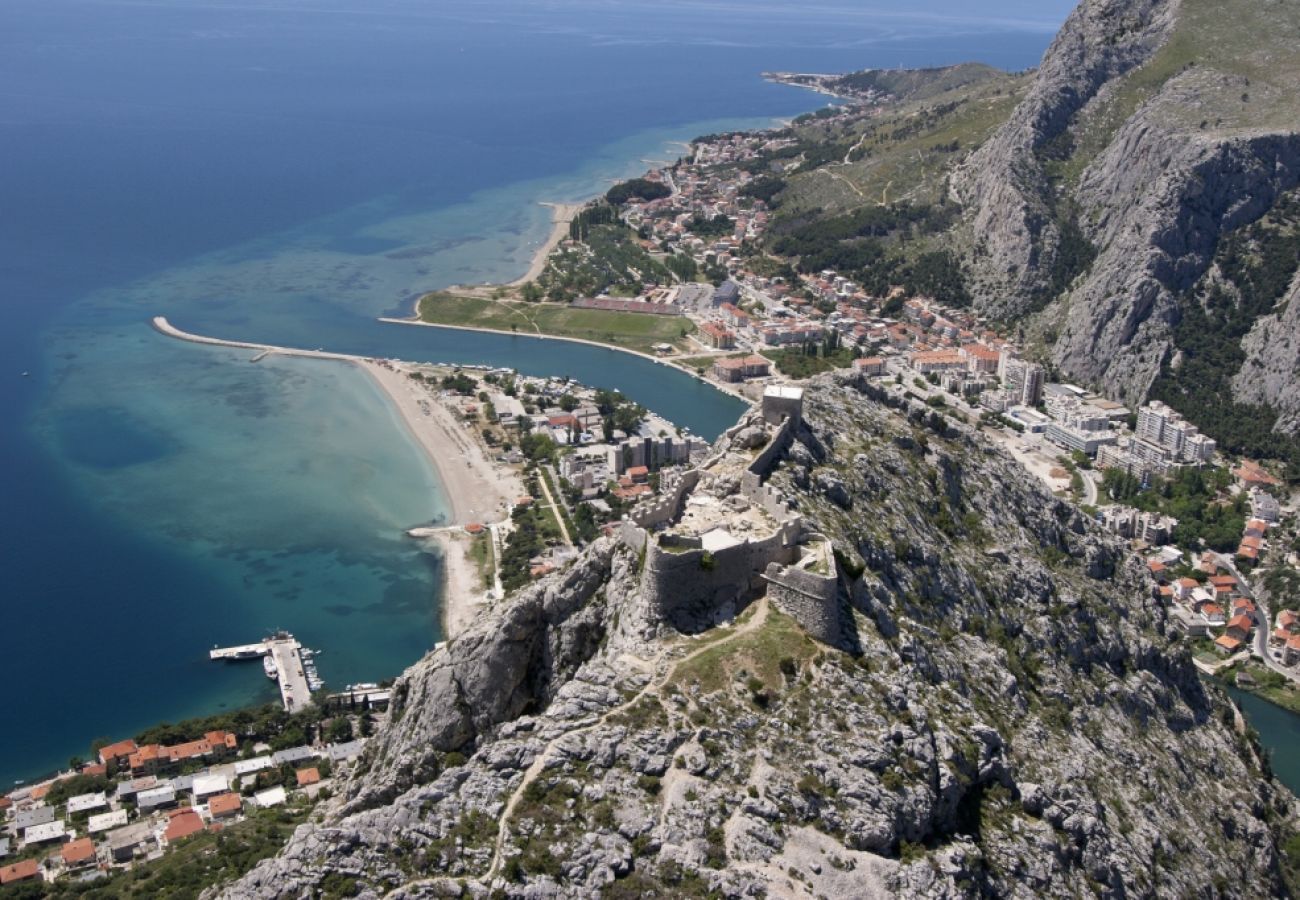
(286, 172)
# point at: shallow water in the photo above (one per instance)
(284, 173)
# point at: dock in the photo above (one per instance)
(244, 651)
(294, 691)
(295, 672)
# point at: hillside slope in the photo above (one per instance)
(1002, 711)
(1154, 132)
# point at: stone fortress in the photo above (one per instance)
(719, 536)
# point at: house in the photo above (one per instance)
(156, 798)
(1183, 588)
(741, 368)
(1288, 620)
(1264, 507)
(43, 834)
(78, 853)
(87, 802)
(106, 821)
(26, 870)
(1223, 581)
(1226, 644)
(344, 751)
(869, 365)
(1292, 652)
(208, 785)
(224, 806)
(308, 777)
(124, 843)
(29, 818)
(273, 797)
(639, 474)
(249, 766)
(1239, 627)
(1212, 614)
(182, 825)
(1252, 474)
(114, 752)
(4, 847)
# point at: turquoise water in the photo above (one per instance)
(284, 173)
(1279, 732)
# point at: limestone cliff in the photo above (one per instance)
(999, 709)
(1153, 130)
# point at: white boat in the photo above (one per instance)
(268, 665)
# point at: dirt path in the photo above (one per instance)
(653, 686)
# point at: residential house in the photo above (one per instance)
(87, 802)
(717, 337)
(147, 759)
(79, 853)
(209, 785)
(273, 797)
(125, 843)
(106, 821)
(43, 834)
(27, 870)
(1212, 614)
(1226, 644)
(307, 777)
(118, 751)
(182, 825)
(1292, 652)
(36, 815)
(224, 806)
(741, 368)
(156, 798)
(1239, 627)
(869, 365)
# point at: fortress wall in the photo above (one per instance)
(779, 444)
(810, 599)
(689, 591)
(666, 508)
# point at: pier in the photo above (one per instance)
(245, 651)
(294, 673)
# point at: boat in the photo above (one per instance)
(268, 665)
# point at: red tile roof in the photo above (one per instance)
(78, 851)
(224, 804)
(1227, 643)
(19, 871)
(113, 751)
(308, 776)
(182, 826)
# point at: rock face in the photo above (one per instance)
(1153, 152)
(1016, 718)
(1004, 184)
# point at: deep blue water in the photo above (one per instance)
(285, 172)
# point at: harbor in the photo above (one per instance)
(284, 660)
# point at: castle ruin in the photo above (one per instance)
(719, 536)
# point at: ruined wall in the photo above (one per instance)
(692, 589)
(810, 599)
(775, 448)
(665, 508)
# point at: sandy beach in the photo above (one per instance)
(477, 489)
(561, 215)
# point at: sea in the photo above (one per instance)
(287, 171)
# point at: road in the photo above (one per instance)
(1263, 620)
(293, 682)
(555, 508)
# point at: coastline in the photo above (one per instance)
(661, 360)
(561, 215)
(477, 491)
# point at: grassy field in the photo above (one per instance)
(631, 331)
(1269, 685)
(757, 654)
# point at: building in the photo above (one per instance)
(156, 798)
(308, 777)
(717, 337)
(926, 362)
(29, 818)
(1158, 424)
(869, 365)
(78, 853)
(1072, 438)
(741, 368)
(106, 821)
(87, 802)
(208, 785)
(224, 806)
(1226, 644)
(115, 752)
(1265, 507)
(276, 796)
(182, 825)
(27, 870)
(1022, 380)
(125, 843)
(981, 360)
(43, 834)
(1150, 527)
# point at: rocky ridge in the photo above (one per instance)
(1147, 133)
(1016, 718)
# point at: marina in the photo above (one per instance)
(284, 660)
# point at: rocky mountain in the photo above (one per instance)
(1154, 131)
(856, 653)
